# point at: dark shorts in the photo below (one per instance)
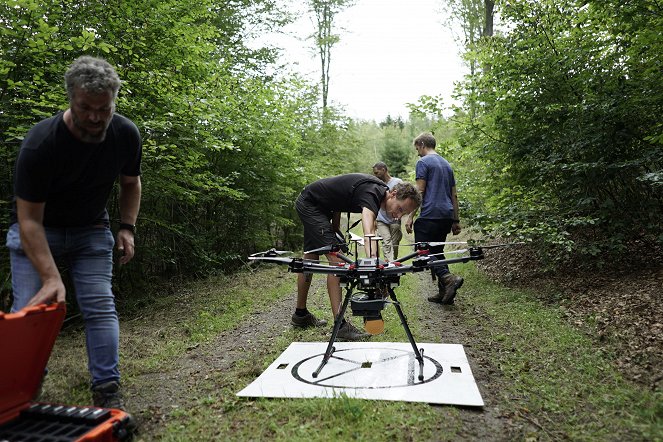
(317, 223)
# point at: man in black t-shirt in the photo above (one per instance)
(319, 206)
(65, 171)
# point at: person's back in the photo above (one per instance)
(437, 200)
(439, 211)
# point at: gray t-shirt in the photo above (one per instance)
(382, 214)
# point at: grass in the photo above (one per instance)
(556, 384)
(557, 372)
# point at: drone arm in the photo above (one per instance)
(406, 257)
(310, 267)
(475, 253)
(340, 256)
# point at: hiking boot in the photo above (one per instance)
(349, 332)
(308, 320)
(108, 395)
(437, 298)
(441, 289)
(451, 284)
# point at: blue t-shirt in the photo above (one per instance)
(439, 177)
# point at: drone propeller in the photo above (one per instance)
(436, 243)
(270, 252)
(494, 246)
(272, 259)
(357, 238)
(450, 252)
(475, 244)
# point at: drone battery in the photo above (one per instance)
(26, 340)
(364, 305)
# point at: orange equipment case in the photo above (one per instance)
(26, 340)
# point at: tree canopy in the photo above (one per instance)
(567, 144)
(558, 138)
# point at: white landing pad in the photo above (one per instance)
(370, 370)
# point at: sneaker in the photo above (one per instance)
(451, 284)
(349, 332)
(308, 320)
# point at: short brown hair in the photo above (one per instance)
(425, 139)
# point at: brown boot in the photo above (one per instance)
(441, 290)
(451, 284)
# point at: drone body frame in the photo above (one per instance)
(371, 280)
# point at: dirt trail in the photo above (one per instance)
(162, 392)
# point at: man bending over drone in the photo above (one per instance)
(319, 206)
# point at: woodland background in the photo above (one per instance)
(559, 138)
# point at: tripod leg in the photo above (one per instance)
(337, 325)
(418, 354)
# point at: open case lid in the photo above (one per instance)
(26, 340)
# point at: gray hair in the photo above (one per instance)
(93, 75)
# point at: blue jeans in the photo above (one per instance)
(433, 230)
(88, 254)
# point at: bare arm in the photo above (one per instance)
(130, 191)
(35, 246)
(421, 186)
(455, 227)
(368, 225)
(336, 221)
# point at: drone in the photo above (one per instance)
(369, 282)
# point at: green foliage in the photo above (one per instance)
(226, 147)
(566, 138)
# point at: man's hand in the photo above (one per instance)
(51, 290)
(455, 228)
(125, 245)
(408, 225)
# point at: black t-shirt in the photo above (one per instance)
(74, 178)
(347, 193)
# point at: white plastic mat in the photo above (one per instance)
(370, 370)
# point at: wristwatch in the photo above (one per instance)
(126, 226)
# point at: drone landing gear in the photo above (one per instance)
(418, 353)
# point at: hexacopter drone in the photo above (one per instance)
(369, 282)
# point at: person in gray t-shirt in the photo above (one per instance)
(388, 228)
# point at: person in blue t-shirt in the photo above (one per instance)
(439, 211)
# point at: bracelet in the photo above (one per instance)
(130, 227)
